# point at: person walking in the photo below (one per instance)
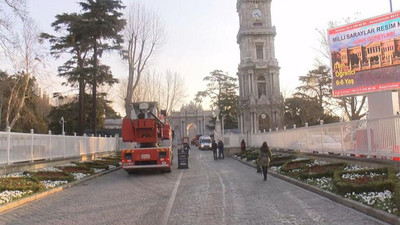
(221, 149)
(243, 145)
(214, 148)
(187, 148)
(264, 158)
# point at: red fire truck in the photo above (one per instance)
(151, 134)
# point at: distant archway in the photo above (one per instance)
(191, 131)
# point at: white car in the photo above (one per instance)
(204, 143)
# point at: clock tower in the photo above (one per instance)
(260, 100)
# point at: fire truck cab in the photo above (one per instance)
(151, 133)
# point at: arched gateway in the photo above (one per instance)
(190, 121)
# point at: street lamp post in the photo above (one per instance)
(391, 9)
(62, 124)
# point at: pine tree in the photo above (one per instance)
(103, 24)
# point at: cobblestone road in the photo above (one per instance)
(209, 192)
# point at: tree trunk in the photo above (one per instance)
(80, 107)
(94, 107)
(22, 103)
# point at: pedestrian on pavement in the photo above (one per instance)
(187, 148)
(221, 149)
(264, 158)
(214, 149)
(243, 145)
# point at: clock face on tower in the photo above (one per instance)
(263, 116)
(257, 13)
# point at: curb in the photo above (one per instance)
(368, 210)
(43, 194)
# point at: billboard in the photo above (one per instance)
(365, 56)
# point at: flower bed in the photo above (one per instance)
(320, 171)
(379, 188)
(53, 176)
(76, 169)
(17, 185)
(20, 184)
(279, 160)
(8, 196)
(295, 167)
(373, 180)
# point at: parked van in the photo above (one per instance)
(205, 143)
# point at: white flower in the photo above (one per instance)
(299, 159)
(350, 168)
(78, 176)
(19, 174)
(52, 184)
(275, 168)
(380, 199)
(324, 182)
(68, 164)
(353, 176)
(98, 170)
(7, 196)
(50, 169)
(317, 162)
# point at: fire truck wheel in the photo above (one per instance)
(130, 172)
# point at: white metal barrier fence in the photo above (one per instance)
(21, 147)
(378, 138)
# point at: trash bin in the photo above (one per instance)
(183, 159)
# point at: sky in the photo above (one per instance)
(201, 36)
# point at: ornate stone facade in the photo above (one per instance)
(190, 121)
(260, 100)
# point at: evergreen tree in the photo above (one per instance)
(103, 24)
(68, 112)
(222, 90)
(73, 42)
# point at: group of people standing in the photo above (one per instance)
(264, 157)
(218, 149)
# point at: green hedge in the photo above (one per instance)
(322, 170)
(396, 197)
(278, 160)
(300, 165)
(95, 165)
(46, 175)
(77, 169)
(342, 186)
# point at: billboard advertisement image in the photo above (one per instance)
(365, 56)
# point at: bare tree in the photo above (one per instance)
(175, 91)
(144, 34)
(9, 9)
(167, 89)
(26, 61)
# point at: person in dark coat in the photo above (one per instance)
(221, 149)
(264, 158)
(187, 148)
(243, 145)
(214, 149)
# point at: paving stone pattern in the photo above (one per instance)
(210, 192)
